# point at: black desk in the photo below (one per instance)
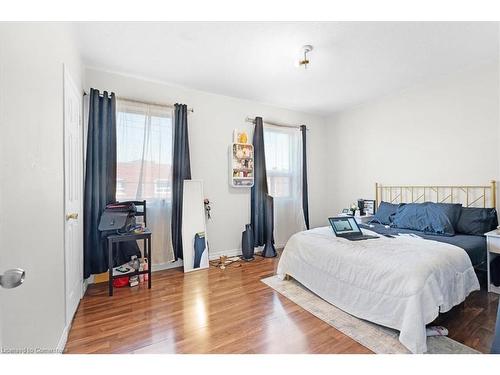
(117, 238)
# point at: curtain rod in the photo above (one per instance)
(252, 120)
(142, 102)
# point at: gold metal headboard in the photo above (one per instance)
(468, 195)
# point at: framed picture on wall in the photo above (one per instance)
(369, 207)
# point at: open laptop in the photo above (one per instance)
(347, 227)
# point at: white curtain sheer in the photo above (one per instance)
(283, 148)
(144, 168)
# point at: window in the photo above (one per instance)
(144, 151)
(283, 150)
(163, 187)
(144, 167)
(278, 163)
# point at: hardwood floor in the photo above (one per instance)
(231, 311)
(473, 322)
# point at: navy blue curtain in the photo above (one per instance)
(181, 171)
(495, 348)
(261, 203)
(259, 191)
(305, 195)
(269, 250)
(100, 178)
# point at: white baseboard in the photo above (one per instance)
(85, 284)
(236, 252)
(213, 255)
(230, 253)
(64, 339)
(156, 267)
(166, 266)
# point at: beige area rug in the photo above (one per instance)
(378, 339)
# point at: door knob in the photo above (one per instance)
(74, 215)
(12, 278)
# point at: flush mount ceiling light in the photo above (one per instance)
(305, 61)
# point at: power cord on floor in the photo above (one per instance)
(224, 262)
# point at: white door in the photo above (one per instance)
(73, 187)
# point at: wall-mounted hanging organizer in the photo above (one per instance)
(241, 171)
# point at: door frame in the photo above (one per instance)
(68, 80)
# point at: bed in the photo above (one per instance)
(402, 282)
(473, 245)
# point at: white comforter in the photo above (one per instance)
(401, 283)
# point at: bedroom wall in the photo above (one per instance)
(31, 175)
(210, 131)
(443, 132)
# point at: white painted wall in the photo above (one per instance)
(210, 132)
(31, 175)
(443, 132)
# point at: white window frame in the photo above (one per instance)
(161, 190)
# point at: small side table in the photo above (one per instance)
(493, 244)
(117, 238)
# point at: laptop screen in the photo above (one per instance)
(343, 225)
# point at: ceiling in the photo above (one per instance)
(352, 62)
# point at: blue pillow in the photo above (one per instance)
(452, 210)
(477, 221)
(428, 217)
(385, 212)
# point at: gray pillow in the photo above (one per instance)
(428, 217)
(385, 212)
(477, 221)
